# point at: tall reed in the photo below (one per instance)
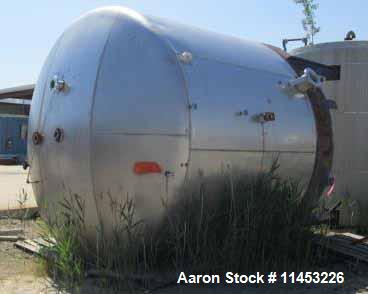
(229, 222)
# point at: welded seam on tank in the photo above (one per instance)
(354, 63)
(251, 150)
(323, 47)
(278, 74)
(186, 89)
(161, 36)
(38, 125)
(315, 129)
(249, 68)
(116, 132)
(42, 106)
(353, 112)
(45, 117)
(159, 133)
(167, 38)
(91, 115)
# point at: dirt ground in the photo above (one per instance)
(14, 189)
(21, 272)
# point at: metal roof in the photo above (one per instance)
(15, 101)
(20, 92)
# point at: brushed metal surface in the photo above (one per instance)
(218, 47)
(143, 89)
(139, 88)
(65, 168)
(221, 90)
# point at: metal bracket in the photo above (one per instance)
(169, 173)
(330, 72)
(240, 113)
(185, 57)
(28, 177)
(265, 117)
(350, 36)
(193, 106)
(285, 41)
(329, 104)
(309, 80)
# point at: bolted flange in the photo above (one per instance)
(185, 57)
(57, 84)
(59, 135)
(37, 138)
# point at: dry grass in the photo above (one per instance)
(230, 222)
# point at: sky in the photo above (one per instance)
(29, 29)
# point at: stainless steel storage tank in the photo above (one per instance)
(350, 122)
(134, 105)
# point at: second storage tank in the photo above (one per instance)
(350, 124)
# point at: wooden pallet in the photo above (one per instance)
(11, 232)
(35, 246)
(11, 235)
(346, 244)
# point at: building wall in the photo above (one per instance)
(13, 132)
(17, 109)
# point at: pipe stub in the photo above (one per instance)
(37, 138)
(59, 135)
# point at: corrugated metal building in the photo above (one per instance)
(13, 130)
(350, 123)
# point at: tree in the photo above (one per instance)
(309, 21)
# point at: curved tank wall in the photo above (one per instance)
(119, 88)
(350, 121)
